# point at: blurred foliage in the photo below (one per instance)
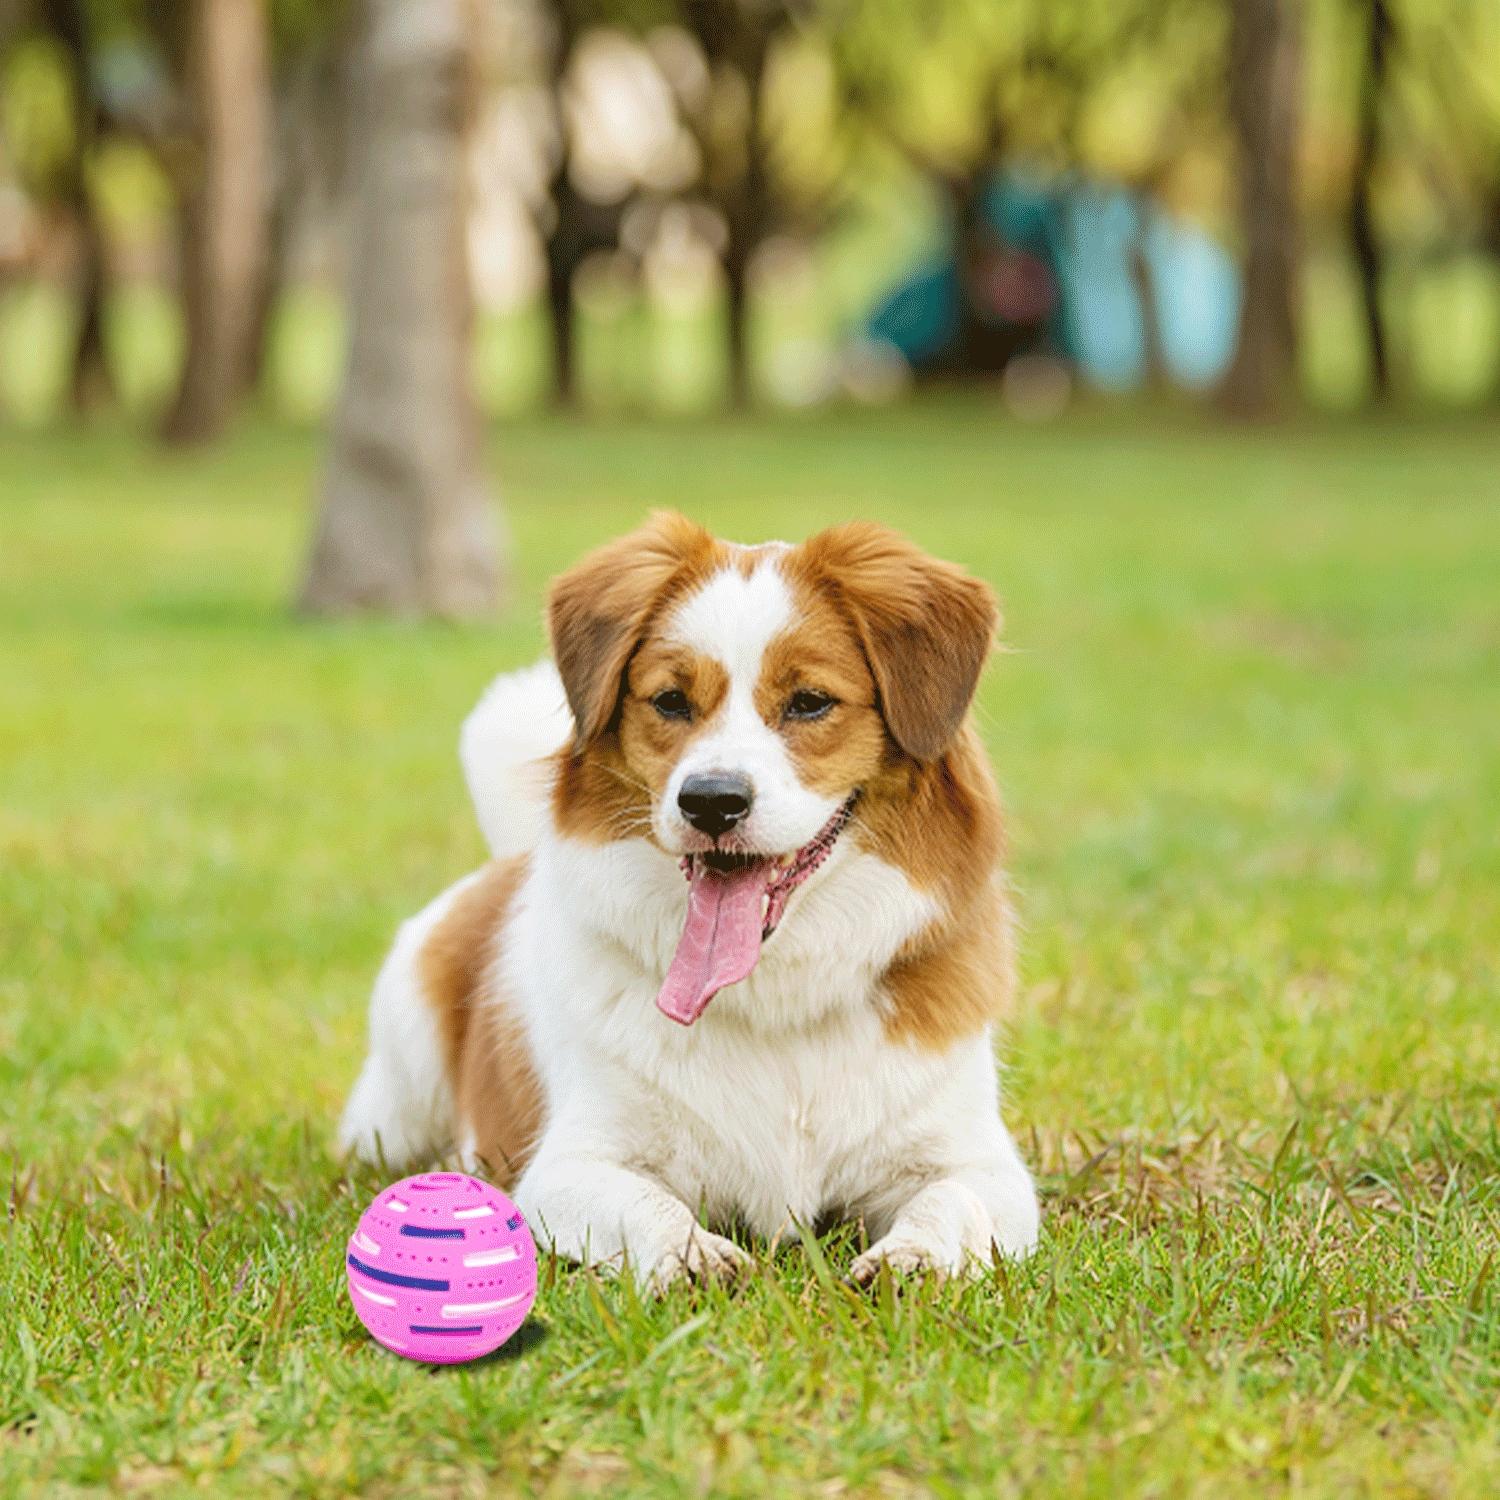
(1065, 85)
(36, 112)
(875, 117)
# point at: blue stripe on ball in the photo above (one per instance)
(394, 1278)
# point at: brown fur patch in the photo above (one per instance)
(604, 792)
(821, 653)
(599, 610)
(926, 626)
(456, 957)
(947, 833)
(599, 614)
(485, 1055)
(941, 824)
(596, 797)
(663, 664)
(900, 639)
(499, 1094)
(957, 979)
(747, 559)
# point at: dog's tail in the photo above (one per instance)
(506, 746)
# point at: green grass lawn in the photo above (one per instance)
(1247, 730)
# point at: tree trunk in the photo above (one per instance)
(1364, 240)
(311, 109)
(737, 327)
(90, 381)
(981, 347)
(748, 221)
(562, 268)
(974, 242)
(406, 524)
(1265, 98)
(294, 133)
(580, 227)
(270, 283)
(566, 240)
(222, 210)
(1154, 375)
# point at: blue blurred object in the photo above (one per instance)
(1059, 275)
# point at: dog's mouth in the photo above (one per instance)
(735, 902)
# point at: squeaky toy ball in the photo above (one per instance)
(442, 1268)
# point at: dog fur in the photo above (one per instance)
(852, 1073)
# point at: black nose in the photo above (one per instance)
(714, 803)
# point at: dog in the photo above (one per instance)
(739, 955)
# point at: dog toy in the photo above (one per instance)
(442, 1268)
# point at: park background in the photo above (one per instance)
(330, 331)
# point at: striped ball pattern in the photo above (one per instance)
(442, 1268)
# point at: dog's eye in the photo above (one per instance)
(807, 704)
(673, 704)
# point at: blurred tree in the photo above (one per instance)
(566, 243)
(309, 55)
(90, 381)
(1449, 125)
(755, 171)
(736, 37)
(221, 175)
(1265, 107)
(577, 225)
(1364, 237)
(406, 524)
(1179, 40)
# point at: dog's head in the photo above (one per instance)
(732, 703)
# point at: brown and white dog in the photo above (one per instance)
(740, 950)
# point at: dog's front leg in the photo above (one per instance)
(953, 1224)
(598, 1212)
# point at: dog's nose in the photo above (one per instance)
(715, 802)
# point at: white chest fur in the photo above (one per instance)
(785, 1100)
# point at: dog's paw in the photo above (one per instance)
(906, 1255)
(704, 1257)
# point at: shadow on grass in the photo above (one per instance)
(532, 1334)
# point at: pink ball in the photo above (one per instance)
(442, 1268)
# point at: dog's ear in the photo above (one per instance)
(926, 628)
(599, 611)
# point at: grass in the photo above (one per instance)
(1247, 730)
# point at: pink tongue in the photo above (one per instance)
(720, 941)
